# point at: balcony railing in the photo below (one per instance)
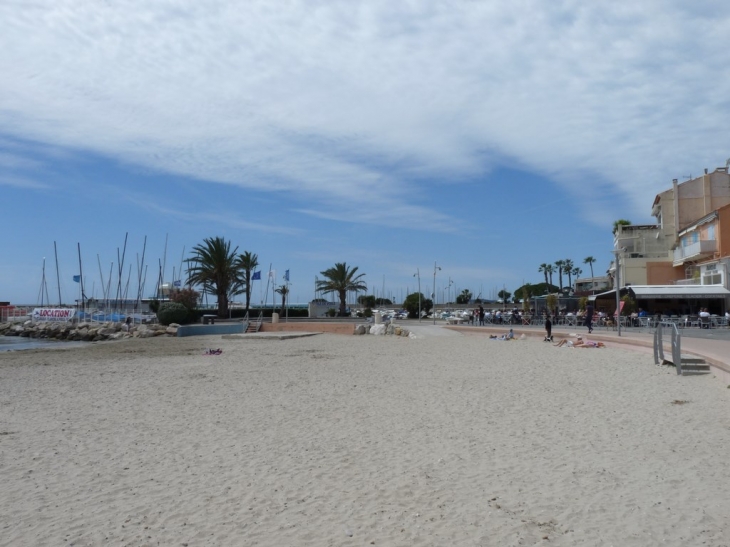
(694, 251)
(688, 282)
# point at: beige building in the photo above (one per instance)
(703, 250)
(650, 255)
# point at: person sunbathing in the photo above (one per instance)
(509, 336)
(213, 352)
(580, 343)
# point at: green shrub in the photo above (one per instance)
(629, 305)
(154, 305)
(331, 312)
(368, 312)
(172, 312)
(551, 301)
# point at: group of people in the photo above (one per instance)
(498, 317)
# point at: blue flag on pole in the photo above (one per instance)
(256, 276)
(77, 278)
(286, 275)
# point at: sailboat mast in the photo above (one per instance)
(139, 274)
(81, 277)
(58, 277)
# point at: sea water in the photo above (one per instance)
(14, 343)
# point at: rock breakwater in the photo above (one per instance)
(85, 332)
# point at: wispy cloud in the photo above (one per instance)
(355, 104)
(22, 182)
(214, 218)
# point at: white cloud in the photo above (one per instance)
(21, 182)
(348, 104)
(223, 217)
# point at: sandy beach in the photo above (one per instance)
(336, 440)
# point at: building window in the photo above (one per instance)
(711, 232)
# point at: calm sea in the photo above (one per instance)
(13, 343)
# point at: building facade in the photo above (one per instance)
(648, 253)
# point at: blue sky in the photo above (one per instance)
(488, 137)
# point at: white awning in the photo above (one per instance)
(678, 291)
(649, 292)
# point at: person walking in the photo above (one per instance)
(589, 318)
(548, 329)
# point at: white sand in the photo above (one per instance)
(345, 440)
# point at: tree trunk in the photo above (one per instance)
(223, 306)
(343, 306)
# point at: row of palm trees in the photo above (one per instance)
(222, 271)
(564, 267)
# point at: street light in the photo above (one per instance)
(433, 296)
(617, 286)
(418, 275)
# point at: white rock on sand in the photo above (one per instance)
(346, 440)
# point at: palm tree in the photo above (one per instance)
(213, 265)
(341, 280)
(567, 268)
(543, 269)
(589, 260)
(559, 266)
(246, 263)
(576, 272)
(283, 290)
(464, 297)
(550, 270)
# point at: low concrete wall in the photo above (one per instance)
(319, 326)
(220, 328)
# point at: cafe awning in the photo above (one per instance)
(668, 292)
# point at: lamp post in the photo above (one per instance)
(617, 286)
(433, 296)
(418, 275)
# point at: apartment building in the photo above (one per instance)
(649, 257)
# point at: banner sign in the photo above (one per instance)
(53, 314)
